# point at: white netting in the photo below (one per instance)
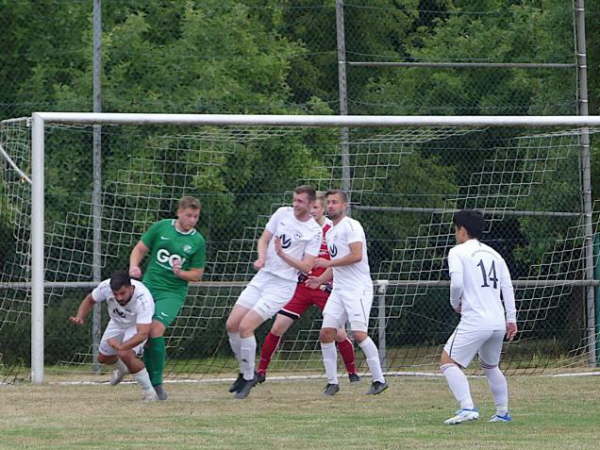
(405, 185)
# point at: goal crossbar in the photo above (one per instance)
(316, 120)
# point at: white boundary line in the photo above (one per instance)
(284, 378)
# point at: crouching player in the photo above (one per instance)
(130, 307)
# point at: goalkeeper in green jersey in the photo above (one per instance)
(177, 253)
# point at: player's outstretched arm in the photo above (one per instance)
(143, 331)
(191, 275)
(456, 280)
(261, 246)
(456, 290)
(353, 257)
(508, 294)
(316, 282)
(304, 265)
(84, 309)
(135, 259)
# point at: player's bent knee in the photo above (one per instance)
(126, 355)
(281, 325)
(157, 329)
(445, 366)
(487, 366)
(106, 359)
(359, 336)
(445, 359)
(341, 335)
(231, 326)
(233, 322)
(327, 335)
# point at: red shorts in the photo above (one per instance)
(303, 298)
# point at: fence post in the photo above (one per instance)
(597, 288)
(381, 287)
(97, 182)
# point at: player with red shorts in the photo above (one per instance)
(312, 289)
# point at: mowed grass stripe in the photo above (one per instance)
(548, 413)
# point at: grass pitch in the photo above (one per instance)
(548, 412)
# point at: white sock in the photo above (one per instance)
(330, 361)
(143, 379)
(499, 388)
(372, 354)
(459, 385)
(122, 367)
(235, 343)
(247, 356)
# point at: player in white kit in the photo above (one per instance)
(478, 275)
(289, 244)
(352, 293)
(130, 307)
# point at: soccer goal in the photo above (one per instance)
(78, 189)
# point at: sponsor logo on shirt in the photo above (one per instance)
(119, 313)
(333, 250)
(285, 241)
(163, 256)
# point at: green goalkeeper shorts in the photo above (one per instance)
(166, 306)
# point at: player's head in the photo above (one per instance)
(468, 224)
(188, 212)
(318, 207)
(303, 199)
(121, 287)
(337, 203)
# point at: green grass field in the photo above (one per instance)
(548, 413)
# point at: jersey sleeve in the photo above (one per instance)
(99, 294)
(145, 311)
(199, 258)
(274, 221)
(355, 233)
(314, 245)
(508, 294)
(454, 263)
(456, 278)
(149, 237)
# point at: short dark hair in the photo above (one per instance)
(339, 192)
(119, 279)
(308, 190)
(472, 220)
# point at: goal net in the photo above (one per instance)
(405, 182)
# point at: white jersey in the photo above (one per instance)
(139, 310)
(478, 274)
(297, 239)
(353, 276)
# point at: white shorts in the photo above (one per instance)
(352, 306)
(462, 346)
(266, 294)
(122, 334)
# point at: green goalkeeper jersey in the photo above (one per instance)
(168, 245)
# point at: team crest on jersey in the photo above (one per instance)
(286, 242)
(333, 250)
(298, 235)
(187, 248)
(119, 313)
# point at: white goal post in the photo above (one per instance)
(41, 119)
